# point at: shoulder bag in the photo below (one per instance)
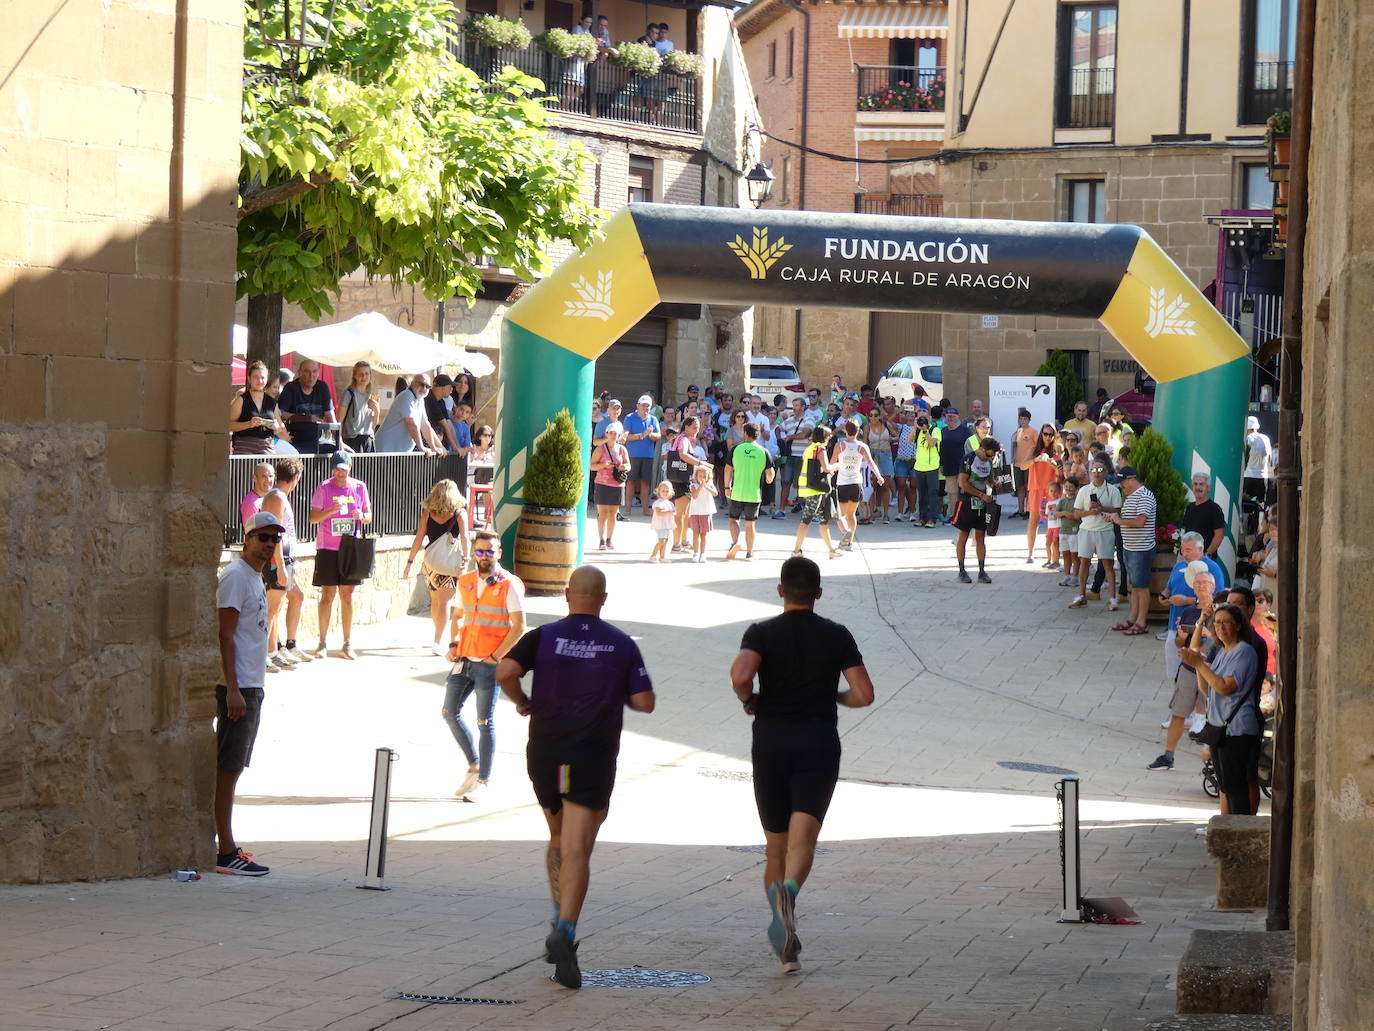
(620, 473)
(1212, 733)
(444, 554)
(357, 555)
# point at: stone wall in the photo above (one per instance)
(117, 249)
(1333, 899)
(1166, 190)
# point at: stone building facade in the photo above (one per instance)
(117, 240)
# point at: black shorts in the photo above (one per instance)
(605, 494)
(642, 470)
(746, 510)
(680, 489)
(327, 571)
(582, 774)
(234, 738)
(1237, 764)
(849, 492)
(796, 767)
(1020, 478)
(968, 518)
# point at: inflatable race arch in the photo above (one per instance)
(651, 253)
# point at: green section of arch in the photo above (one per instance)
(537, 379)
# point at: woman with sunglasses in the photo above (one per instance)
(1230, 674)
(482, 460)
(1044, 469)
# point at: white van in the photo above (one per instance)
(769, 377)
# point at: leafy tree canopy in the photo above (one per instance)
(383, 153)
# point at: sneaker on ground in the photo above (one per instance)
(983, 577)
(900, 518)
(964, 578)
(298, 655)
(734, 550)
(276, 661)
(1164, 636)
(1112, 606)
(564, 954)
(787, 913)
(437, 648)
(347, 651)
(619, 518)
(272, 667)
(285, 656)
(797, 507)
(1161, 763)
(1164, 724)
(777, 930)
(475, 792)
(748, 557)
(240, 864)
(321, 652)
(779, 514)
(469, 782)
(1077, 602)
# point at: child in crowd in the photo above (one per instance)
(700, 510)
(662, 521)
(1068, 532)
(1050, 513)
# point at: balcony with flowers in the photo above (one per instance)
(899, 102)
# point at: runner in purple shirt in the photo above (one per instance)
(585, 673)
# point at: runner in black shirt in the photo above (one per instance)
(798, 658)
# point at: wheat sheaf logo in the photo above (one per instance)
(596, 300)
(759, 256)
(1167, 317)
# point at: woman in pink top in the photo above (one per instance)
(338, 507)
(608, 459)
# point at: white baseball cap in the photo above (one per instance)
(645, 399)
(261, 520)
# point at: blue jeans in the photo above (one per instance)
(928, 493)
(469, 677)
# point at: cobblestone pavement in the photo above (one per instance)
(934, 904)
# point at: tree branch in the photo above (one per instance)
(262, 199)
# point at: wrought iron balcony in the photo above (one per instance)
(1089, 99)
(1269, 88)
(896, 87)
(931, 204)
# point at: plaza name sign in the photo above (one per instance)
(878, 262)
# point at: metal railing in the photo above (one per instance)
(396, 484)
(597, 88)
(1268, 88)
(1089, 101)
(932, 204)
(899, 87)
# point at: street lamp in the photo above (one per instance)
(760, 183)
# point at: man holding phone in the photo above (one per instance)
(1095, 499)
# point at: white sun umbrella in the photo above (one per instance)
(387, 347)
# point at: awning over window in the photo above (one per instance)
(895, 21)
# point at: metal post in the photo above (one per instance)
(1071, 903)
(381, 805)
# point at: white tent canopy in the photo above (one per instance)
(375, 339)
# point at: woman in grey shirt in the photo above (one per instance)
(1230, 674)
(360, 408)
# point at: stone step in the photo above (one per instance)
(1221, 1022)
(1237, 972)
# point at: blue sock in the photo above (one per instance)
(568, 927)
(1169, 755)
(792, 886)
(556, 911)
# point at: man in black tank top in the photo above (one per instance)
(798, 658)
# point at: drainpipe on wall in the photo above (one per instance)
(1289, 479)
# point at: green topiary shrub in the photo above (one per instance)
(1068, 388)
(1153, 457)
(503, 33)
(554, 477)
(637, 58)
(565, 44)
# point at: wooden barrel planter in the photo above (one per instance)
(1165, 560)
(545, 548)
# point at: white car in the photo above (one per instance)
(924, 370)
(770, 377)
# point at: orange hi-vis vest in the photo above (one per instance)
(486, 620)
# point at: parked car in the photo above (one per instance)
(772, 376)
(1138, 404)
(924, 370)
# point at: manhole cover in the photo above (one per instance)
(1039, 768)
(761, 850)
(452, 1000)
(640, 977)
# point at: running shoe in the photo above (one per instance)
(1112, 606)
(321, 652)
(272, 667)
(791, 948)
(796, 508)
(779, 514)
(1162, 763)
(931, 524)
(1077, 602)
(436, 648)
(748, 557)
(600, 545)
(469, 782)
(901, 518)
(1164, 636)
(777, 929)
(298, 655)
(283, 655)
(564, 954)
(964, 578)
(275, 661)
(240, 864)
(983, 577)
(347, 651)
(734, 550)
(865, 522)
(619, 518)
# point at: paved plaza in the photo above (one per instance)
(934, 904)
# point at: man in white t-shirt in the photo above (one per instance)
(1096, 538)
(1259, 461)
(241, 601)
(406, 426)
(794, 433)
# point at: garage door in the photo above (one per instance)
(633, 365)
(895, 334)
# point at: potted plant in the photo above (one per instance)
(637, 58)
(488, 30)
(682, 62)
(1277, 136)
(547, 535)
(1153, 457)
(567, 45)
(935, 93)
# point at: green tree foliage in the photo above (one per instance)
(381, 152)
(1068, 388)
(554, 477)
(1153, 457)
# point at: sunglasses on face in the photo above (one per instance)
(269, 538)
(484, 552)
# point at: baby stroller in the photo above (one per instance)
(1266, 765)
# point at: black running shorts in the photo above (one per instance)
(234, 738)
(582, 774)
(967, 518)
(849, 492)
(744, 510)
(796, 766)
